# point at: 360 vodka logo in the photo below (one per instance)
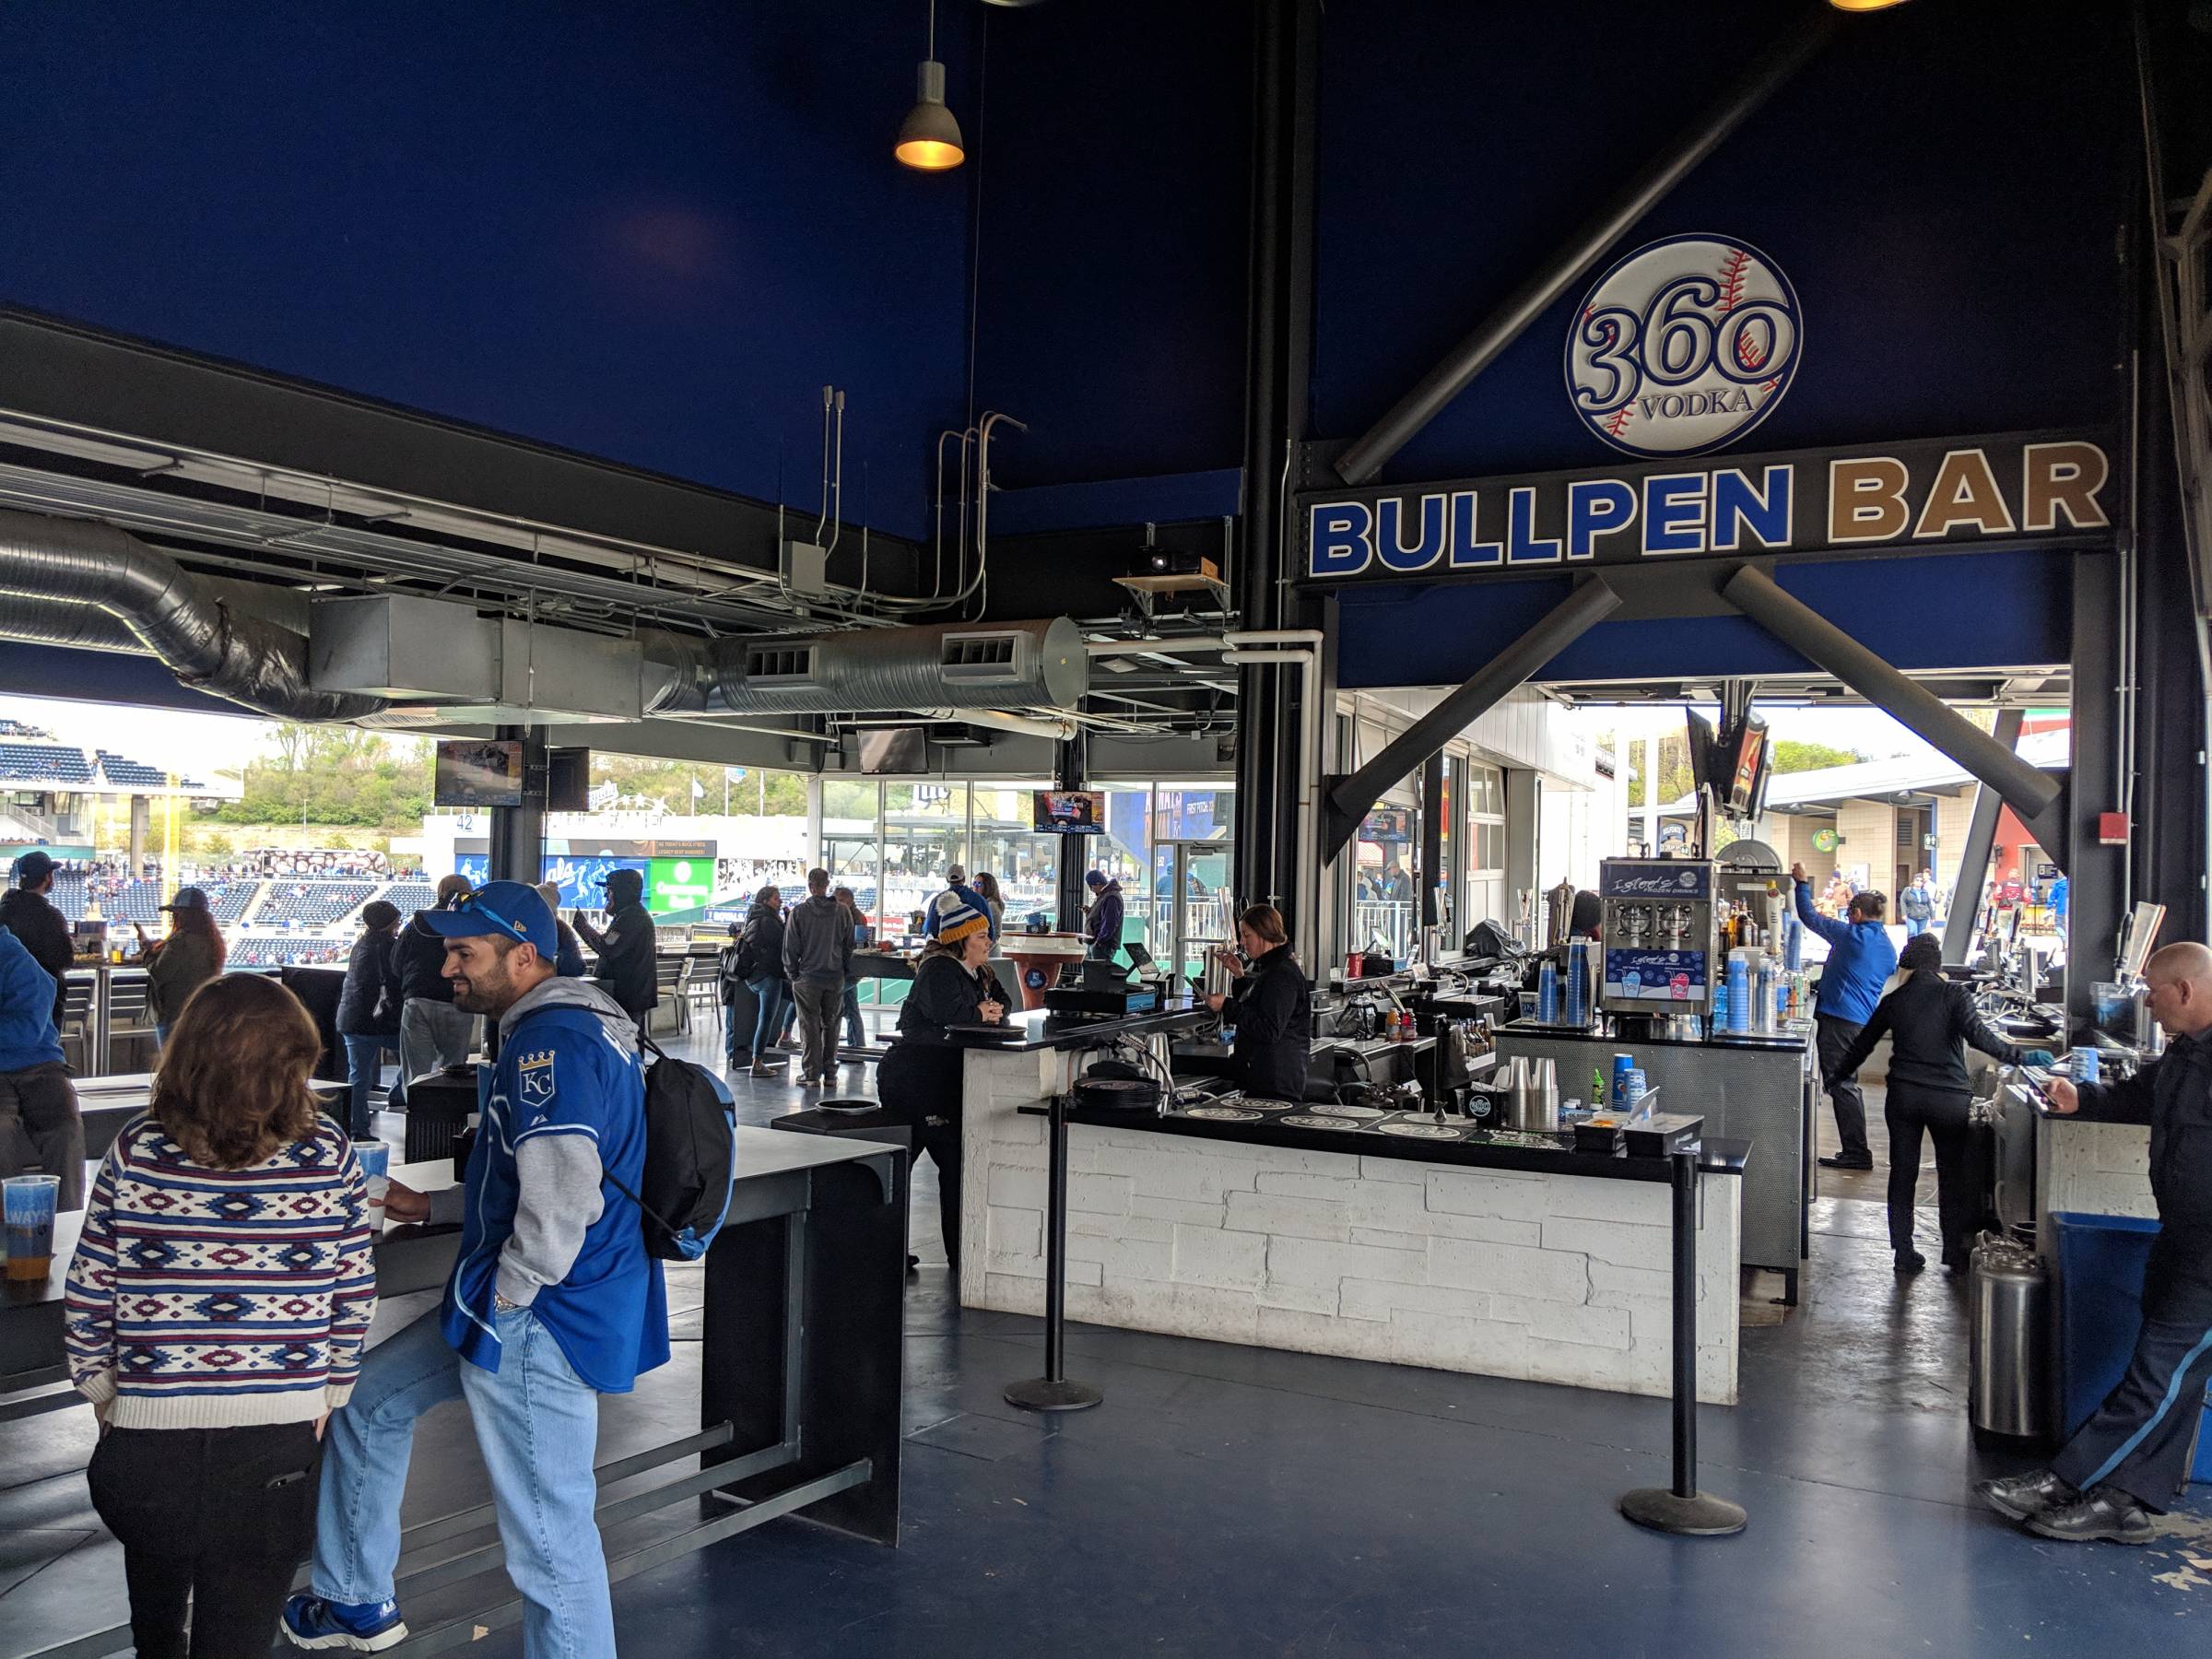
(1683, 345)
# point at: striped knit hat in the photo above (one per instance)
(957, 918)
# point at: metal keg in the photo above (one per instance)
(2007, 1385)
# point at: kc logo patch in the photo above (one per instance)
(1682, 345)
(535, 1074)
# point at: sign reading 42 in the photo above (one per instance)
(1683, 345)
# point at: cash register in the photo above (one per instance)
(1098, 988)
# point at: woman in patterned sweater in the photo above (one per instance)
(217, 1306)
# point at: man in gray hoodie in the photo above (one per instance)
(818, 958)
(553, 1301)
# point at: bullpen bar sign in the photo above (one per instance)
(1900, 495)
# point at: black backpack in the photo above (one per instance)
(691, 1158)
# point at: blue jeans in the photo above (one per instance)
(537, 1426)
(364, 1059)
(1916, 925)
(856, 1034)
(768, 1024)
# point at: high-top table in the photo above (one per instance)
(802, 1355)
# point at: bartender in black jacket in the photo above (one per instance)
(2128, 1458)
(1929, 1022)
(628, 970)
(1273, 1008)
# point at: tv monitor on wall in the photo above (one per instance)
(893, 749)
(569, 780)
(1069, 812)
(479, 773)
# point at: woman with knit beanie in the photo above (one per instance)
(919, 1078)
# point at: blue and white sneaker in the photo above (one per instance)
(309, 1621)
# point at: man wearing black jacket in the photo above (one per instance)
(2130, 1456)
(628, 970)
(25, 912)
(433, 1033)
(1272, 1003)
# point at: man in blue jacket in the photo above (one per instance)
(1860, 960)
(553, 1301)
(38, 1103)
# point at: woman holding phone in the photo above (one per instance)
(919, 1078)
(193, 954)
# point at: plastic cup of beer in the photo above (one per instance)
(27, 1204)
(375, 1158)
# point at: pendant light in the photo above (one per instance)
(929, 138)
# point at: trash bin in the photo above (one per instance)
(2101, 1265)
(2007, 1378)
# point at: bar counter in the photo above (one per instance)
(1472, 1253)
(1758, 1088)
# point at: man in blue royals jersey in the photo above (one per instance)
(553, 1301)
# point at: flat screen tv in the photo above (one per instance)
(1388, 826)
(1740, 766)
(893, 749)
(1069, 812)
(479, 773)
(569, 780)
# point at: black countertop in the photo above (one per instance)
(1473, 1148)
(1026, 1030)
(1794, 1036)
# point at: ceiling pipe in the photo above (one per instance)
(208, 644)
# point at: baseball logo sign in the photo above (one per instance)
(1683, 345)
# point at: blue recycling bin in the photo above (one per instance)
(2101, 1260)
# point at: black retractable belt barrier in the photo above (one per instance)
(1681, 1507)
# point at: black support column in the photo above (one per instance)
(2096, 874)
(1277, 355)
(518, 833)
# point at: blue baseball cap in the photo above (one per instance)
(508, 909)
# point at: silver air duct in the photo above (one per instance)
(208, 644)
(403, 661)
(885, 670)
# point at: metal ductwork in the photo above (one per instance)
(960, 665)
(402, 661)
(49, 563)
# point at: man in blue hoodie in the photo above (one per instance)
(38, 1103)
(553, 1303)
(1860, 960)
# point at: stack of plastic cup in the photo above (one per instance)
(1622, 1066)
(375, 1158)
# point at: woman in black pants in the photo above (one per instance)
(919, 1078)
(1929, 1021)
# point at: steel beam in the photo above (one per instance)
(1973, 858)
(1579, 255)
(1279, 351)
(2026, 790)
(1348, 799)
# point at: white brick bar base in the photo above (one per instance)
(2091, 1168)
(1552, 1278)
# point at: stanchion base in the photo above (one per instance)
(1662, 1510)
(1042, 1393)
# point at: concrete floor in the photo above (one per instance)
(1229, 1501)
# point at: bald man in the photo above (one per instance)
(2129, 1457)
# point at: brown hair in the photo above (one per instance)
(451, 888)
(231, 1086)
(194, 920)
(986, 884)
(1267, 922)
(1868, 904)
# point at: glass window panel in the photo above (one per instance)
(924, 834)
(1025, 863)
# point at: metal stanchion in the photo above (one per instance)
(1682, 1508)
(1054, 1391)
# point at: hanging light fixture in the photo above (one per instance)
(929, 138)
(1863, 6)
